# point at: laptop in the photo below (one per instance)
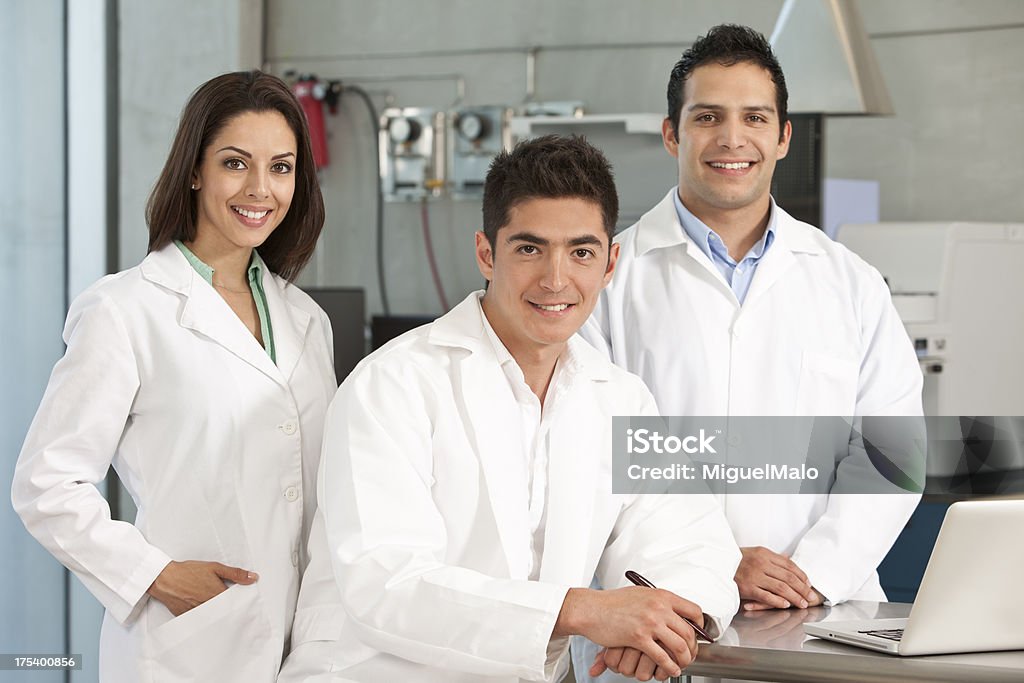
(970, 598)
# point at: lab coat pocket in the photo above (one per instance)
(828, 385)
(221, 619)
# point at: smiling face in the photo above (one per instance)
(244, 183)
(729, 140)
(546, 270)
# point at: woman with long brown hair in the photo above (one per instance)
(202, 375)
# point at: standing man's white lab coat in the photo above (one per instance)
(218, 447)
(430, 536)
(816, 335)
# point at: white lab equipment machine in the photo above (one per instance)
(959, 289)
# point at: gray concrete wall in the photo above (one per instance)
(614, 56)
(953, 71)
(950, 67)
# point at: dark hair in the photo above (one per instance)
(172, 210)
(550, 166)
(727, 44)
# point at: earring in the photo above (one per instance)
(194, 186)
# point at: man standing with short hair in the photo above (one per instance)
(727, 306)
(465, 486)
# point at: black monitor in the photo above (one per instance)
(346, 309)
(385, 328)
(797, 182)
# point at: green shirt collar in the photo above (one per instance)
(256, 264)
(255, 273)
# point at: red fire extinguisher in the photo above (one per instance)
(310, 94)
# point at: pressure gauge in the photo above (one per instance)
(472, 126)
(403, 130)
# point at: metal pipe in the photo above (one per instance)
(531, 74)
(420, 54)
(459, 80)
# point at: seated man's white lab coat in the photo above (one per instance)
(454, 541)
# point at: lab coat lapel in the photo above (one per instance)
(498, 438)
(772, 267)
(575, 458)
(660, 228)
(790, 241)
(204, 311)
(492, 423)
(290, 324)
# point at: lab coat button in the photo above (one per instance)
(289, 428)
(295, 558)
(291, 494)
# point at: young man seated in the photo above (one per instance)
(466, 489)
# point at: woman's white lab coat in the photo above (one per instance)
(218, 447)
(428, 532)
(816, 335)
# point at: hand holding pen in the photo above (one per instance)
(674, 636)
(637, 580)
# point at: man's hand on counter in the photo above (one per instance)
(769, 580)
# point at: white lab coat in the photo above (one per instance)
(424, 530)
(218, 447)
(816, 335)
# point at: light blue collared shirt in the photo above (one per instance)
(738, 275)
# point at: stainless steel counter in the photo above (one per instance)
(771, 646)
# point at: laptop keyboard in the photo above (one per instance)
(888, 634)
